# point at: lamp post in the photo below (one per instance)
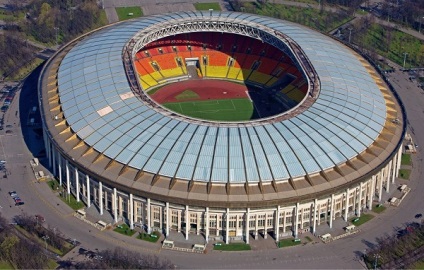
(45, 237)
(350, 34)
(376, 256)
(404, 59)
(56, 29)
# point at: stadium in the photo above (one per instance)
(222, 124)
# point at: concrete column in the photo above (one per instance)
(331, 210)
(284, 221)
(49, 155)
(346, 204)
(101, 197)
(314, 226)
(68, 180)
(380, 188)
(296, 230)
(115, 205)
(227, 225)
(360, 199)
(277, 224)
(388, 170)
(399, 157)
(198, 224)
(187, 220)
(371, 195)
(120, 210)
(265, 226)
(87, 179)
(59, 164)
(160, 218)
(256, 226)
(54, 160)
(179, 222)
(77, 189)
(247, 220)
(149, 222)
(168, 221)
(207, 224)
(131, 212)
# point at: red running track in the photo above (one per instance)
(206, 89)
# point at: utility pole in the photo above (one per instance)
(350, 34)
(404, 59)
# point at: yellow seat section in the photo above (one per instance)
(287, 89)
(243, 74)
(148, 80)
(272, 81)
(296, 95)
(259, 77)
(172, 72)
(233, 73)
(216, 71)
(156, 75)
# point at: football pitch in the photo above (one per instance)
(240, 109)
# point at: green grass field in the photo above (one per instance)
(361, 220)
(404, 174)
(123, 12)
(207, 6)
(406, 159)
(217, 110)
(232, 247)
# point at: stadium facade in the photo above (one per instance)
(109, 144)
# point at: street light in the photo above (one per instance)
(376, 256)
(404, 59)
(56, 29)
(45, 237)
(350, 33)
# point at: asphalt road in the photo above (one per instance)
(18, 147)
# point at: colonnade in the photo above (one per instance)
(223, 223)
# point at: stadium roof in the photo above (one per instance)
(99, 106)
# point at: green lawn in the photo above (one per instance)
(404, 173)
(6, 265)
(153, 237)
(123, 12)
(207, 6)
(124, 229)
(361, 220)
(70, 200)
(406, 159)
(392, 44)
(240, 109)
(288, 243)
(378, 210)
(321, 20)
(232, 247)
(308, 238)
(187, 94)
(54, 185)
(418, 265)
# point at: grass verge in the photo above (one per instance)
(124, 12)
(6, 265)
(70, 200)
(406, 159)
(232, 247)
(288, 243)
(361, 220)
(153, 237)
(404, 173)
(207, 6)
(308, 238)
(377, 209)
(124, 229)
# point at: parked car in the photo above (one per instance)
(419, 215)
(19, 203)
(13, 194)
